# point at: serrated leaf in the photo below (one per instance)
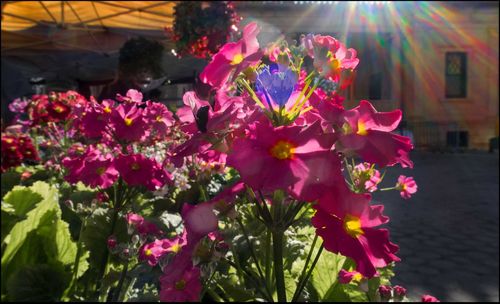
(21, 229)
(96, 231)
(20, 200)
(325, 273)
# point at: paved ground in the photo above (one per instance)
(448, 232)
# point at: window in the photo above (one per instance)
(456, 75)
(373, 74)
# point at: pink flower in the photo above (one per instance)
(346, 222)
(187, 288)
(399, 291)
(152, 252)
(175, 244)
(407, 186)
(233, 57)
(134, 219)
(99, 172)
(112, 242)
(159, 117)
(385, 292)
(366, 177)
(92, 168)
(94, 121)
(141, 225)
(132, 96)
(429, 298)
(199, 220)
(331, 57)
(288, 157)
(137, 170)
(346, 277)
(128, 122)
(366, 132)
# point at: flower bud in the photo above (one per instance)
(399, 291)
(385, 292)
(69, 204)
(112, 242)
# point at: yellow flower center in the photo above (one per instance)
(237, 59)
(362, 128)
(12, 148)
(180, 285)
(100, 170)
(403, 187)
(158, 118)
(128, 121)
(335, 64)
(9, 140)
(148, 252)
(352, 226)
(175, 248)
(283, 150)
(357, 277)
(58, 109)
(135, 166)
(107, 109)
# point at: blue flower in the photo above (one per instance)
(276, 83)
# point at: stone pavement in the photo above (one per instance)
(448, 232)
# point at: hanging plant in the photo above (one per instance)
(201, 28)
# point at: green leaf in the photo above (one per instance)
(21, 229)
(37, 283)
(62, 248)
(21, 200)
(325, 274)
(96, 231)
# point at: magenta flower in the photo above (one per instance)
(233, 57)
(187, 288)
(91, 168)
(346, 222)
(128, 122)
(141, 225)
(407, 186)
(429, 298)
(99, 172)
(95, 120)
(399, 291)
(366, 177)
(132, 96)
(159, 117)
(366, 132)
(288, 157)
(199, 220)
(346, 277)
(385, 292)
(138, 170)
(152, 252)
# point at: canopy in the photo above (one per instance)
(69, 41)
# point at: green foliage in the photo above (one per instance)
(37, 245)
(38, 283)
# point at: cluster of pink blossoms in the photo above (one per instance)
(284, 132)
(115, 128)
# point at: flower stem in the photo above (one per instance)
(303, 274)
(117, 292)
(278, 264)
(304, 282)
(387, 189)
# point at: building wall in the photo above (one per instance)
(474, 31)
(421, 34)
